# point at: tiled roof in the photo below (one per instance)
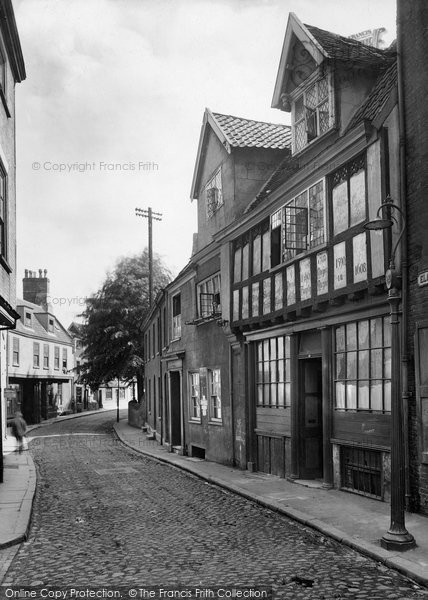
(246, 133)
(377, 98)
(347, 49)
(37, 329)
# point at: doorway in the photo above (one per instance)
(175, 415)
(310, 419)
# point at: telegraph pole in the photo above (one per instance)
(149, 214)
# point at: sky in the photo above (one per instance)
(110, 114)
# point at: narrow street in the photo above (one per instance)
(106, 515)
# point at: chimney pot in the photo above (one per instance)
(46, 272)
(26, 272)
(40, 273)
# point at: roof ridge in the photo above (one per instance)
(252, 120)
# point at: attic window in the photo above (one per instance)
(51, 326)
(27, 321)
(312, 113)
(213, 194)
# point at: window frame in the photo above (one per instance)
(64, 359)
(202, 289)
(46, 352)
(36, 355)
(301, 93)
(195, 412)
(15, 351)
(56, 358)
(176, 316)
(264, 382)
(281, 253)
(51, 325)
(214, 407)
(214, 183)
(375, 355)
(344, 175)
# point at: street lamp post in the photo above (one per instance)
(397, 537)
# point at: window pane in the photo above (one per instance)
(340, 394)
(235, 305)
(266, 296)
(255, 299)
(257, 243)
(351, 365)
(363, 395)
(363, 364)
(387, 331)
(273, 394)
(266, 251)
(387, 363)
(245, 255)
(287, 345)
(260, 395)
(340, 366)
(287, 394)
(237, 269)
(376, 333)
(351, 394)
(363, 334)
(316, 215)
(358, 197)
(245, 302)
(351, 336)
(387, 395)
(340, 338)
(281, 395)
(280, 347)
(376, 364)
(273, 348)
(278, 291)
(376, 395)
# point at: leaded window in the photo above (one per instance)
(312, 114)
(214, 194)
(299, 225)
(348, 186)
(363, 366)
(273, 377)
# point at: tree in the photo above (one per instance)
(114, 316)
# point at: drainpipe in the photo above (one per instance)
(231, 400)
(404, 262)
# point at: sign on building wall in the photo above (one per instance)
(322, 273)
(339, 267)
(360, 257)
(305, 279)
(291, 285)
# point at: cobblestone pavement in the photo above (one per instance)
(104, 515)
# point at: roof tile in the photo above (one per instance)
(246, 133)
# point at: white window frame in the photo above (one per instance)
(175, 319)
(214, 395)
(301, 93)
(211, 285)
(194, 396)
(28, 319)
(15, 352)
(213, 193)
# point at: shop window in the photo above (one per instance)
(214, 394)
(299, 225)
(363, 366)
(273, 378)
(361, 471)
(194, 397)
(348, 196)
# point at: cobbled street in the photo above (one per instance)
(105, 515)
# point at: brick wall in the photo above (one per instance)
(413, 15)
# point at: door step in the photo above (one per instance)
(177, 449)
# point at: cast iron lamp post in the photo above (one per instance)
(397, 537)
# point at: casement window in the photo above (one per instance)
(46, 356)
(348, 195)
(213, 194)
(312, 113)
(51, 325)
(273, 378)
(3, 212)
(15, 352)
(64, 359)
(56, 357)
(208, 294)
(252, 253)
(36, 355)
(176, 316)
(28, 320)
(214, 387)
(299, 225)
(194, 397)
(363, 366)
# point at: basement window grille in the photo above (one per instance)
(362, 471)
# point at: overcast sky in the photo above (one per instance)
(126, 82)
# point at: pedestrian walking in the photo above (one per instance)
(19, 427)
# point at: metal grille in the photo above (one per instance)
(209, 304)
(296, 228)
(362, 471)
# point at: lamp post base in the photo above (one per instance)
(399, 540)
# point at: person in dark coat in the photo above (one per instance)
(19, 427)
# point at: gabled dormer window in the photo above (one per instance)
(51, 326)
(312, 112)
(28, 320)
(213, 194)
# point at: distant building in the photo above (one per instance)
(12, 71)
(83, 395)
(40, 355)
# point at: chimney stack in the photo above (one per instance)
(36, 289)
